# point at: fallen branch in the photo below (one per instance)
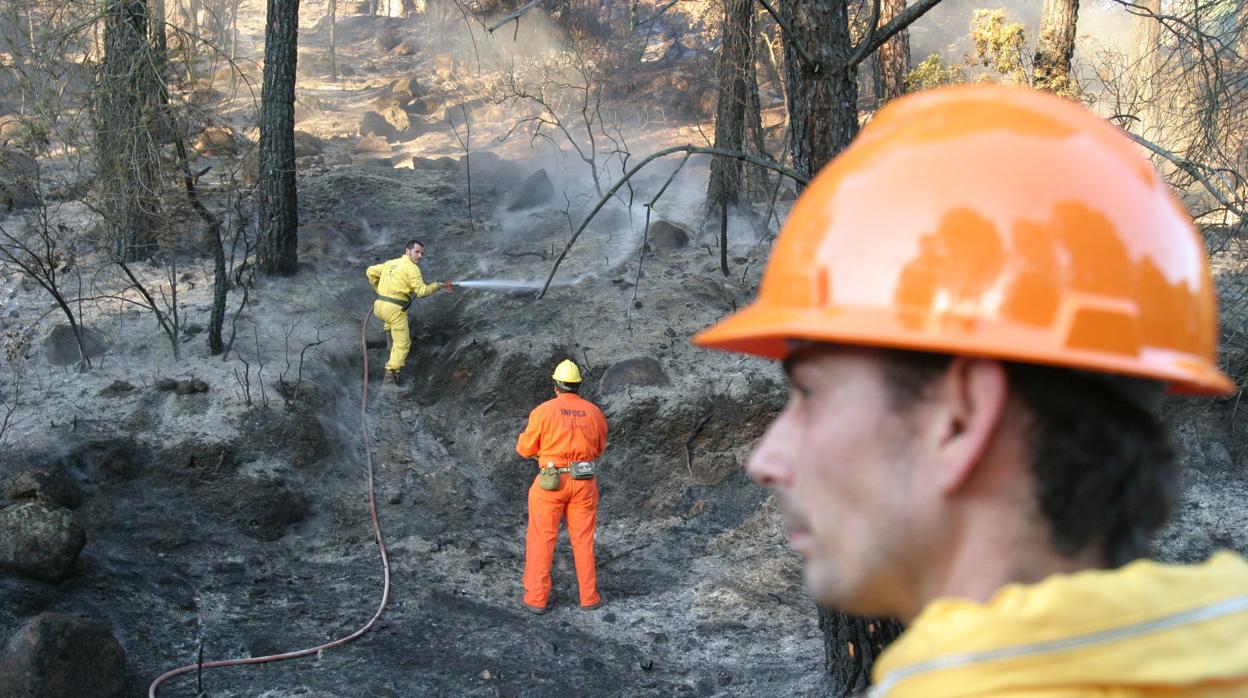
(787, 31)
(879, 37)
(1193, 168)
(689, 441)
(515, 16)
(689, 149)
(645, 235)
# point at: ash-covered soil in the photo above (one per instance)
(235, 521)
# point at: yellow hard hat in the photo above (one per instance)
(567, 372)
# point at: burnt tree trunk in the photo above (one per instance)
(822, 92)
(333, 40)
(1055, 45)
(127, 166)
(1145, 63)
(736, 62)
(892, 61)
(823, 118)
(278, 214)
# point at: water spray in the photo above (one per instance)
(501, 285)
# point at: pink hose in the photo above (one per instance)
(381, 546)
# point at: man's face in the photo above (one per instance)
(840, 461)
(415, 252)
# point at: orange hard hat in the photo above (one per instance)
(991, 221)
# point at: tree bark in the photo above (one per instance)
(333, 40)
(823, 118)
(892, 61)
(126, 153)
(823, 93)
(278, 215)
(851, 645)
(1145, 64)
(1055, 45)
(736, 62)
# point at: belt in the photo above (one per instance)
(561, 470)
(396, 301)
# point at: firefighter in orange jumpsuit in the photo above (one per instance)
(561, 432)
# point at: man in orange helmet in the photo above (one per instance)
(980, 305)
(566, 435)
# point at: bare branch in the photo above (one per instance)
(788, 32)
(515, 16)
(792, 174)
(879, 37)
(1196, 170)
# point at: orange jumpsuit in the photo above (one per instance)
(565, 429)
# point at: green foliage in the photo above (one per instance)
(1000, 44)
(933, 72)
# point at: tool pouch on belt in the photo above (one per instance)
(583, 470)
(548, 478)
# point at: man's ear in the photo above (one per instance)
(970, 400)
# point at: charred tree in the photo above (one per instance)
(1055, 45)
(736, 63)
(333, 40)
(127, 158)
(892, 61)
(822, 85)
(821, 74)
(278, 213)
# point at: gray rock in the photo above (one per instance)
(667, 236)
(116, 389)
(62, 348)
(376, 124)
(18, 180)
(42, 486)
(64, 656)
(373, 144)
(533, 192)
(39, 541)
(307, 144)
(641, 371)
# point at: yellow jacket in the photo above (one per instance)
(1145, 630)
(399, 279)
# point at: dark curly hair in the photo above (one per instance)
(1103, 460)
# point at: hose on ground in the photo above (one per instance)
(381, 546)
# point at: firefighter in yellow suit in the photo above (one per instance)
(397, 282)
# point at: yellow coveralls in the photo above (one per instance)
(1144, 630)
(397, 282)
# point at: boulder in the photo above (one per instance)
(18, 180)
(372, 144)
(376, 124)
(387, 39)
(533, 191)
(406, 47)
(39, 540)
(217, 142)
(307, 144)
(641, 371)
(62, 348)
(666, 236)
(406, 90)
(60, 655)
(43, 486)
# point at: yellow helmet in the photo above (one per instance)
(567, 372)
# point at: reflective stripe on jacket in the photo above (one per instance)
(564, 429)
(1144, 630)
(399, 279)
